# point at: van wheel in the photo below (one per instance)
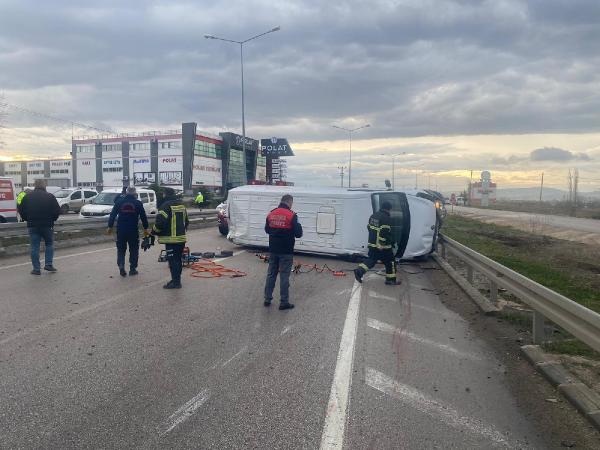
(64, 209)
(2, 220)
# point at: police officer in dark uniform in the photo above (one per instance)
(282, 227)
(170, 227)
(381, 241)
(129, 210)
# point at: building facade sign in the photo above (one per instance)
(275, 147)
(207, 172)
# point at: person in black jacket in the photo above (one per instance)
(283, 227)
(40, 210)
(381, 240)
(130, 211)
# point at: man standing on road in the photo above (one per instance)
(40, 210)
(129, 211)
(282, 227)
(199, 199)
(20, 198)
(381, 241)
(170, 227)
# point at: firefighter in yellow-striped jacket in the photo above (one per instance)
(171, 223)
(381, 240)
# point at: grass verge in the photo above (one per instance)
(569, 268)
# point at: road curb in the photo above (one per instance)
(586, 401)
(22, 249)
(483, 303)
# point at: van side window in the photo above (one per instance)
(76, 195)
(151, 195)
(89, 194)
(144, 197)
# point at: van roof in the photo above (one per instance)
(311, 191)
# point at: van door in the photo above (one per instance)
(400, 217)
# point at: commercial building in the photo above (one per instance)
(185, 159)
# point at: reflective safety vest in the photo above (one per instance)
(171, 223)
(20, 197)
(199, 198)
(280, 219)
(380, 231)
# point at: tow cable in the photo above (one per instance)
(202, 266)
(298, 268)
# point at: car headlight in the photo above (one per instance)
(107, 211)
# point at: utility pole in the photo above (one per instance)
(542, 186)
(342, 168)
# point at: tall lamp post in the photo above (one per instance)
(241, 43)
(393, 166)
(350, 131)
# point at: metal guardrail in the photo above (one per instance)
(20, 229)
(581, 322)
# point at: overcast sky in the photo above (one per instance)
(456, 85)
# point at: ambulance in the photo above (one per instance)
(8, 200)
(334, 220)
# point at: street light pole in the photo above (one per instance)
(210, 36)
(350, 131)
(393, 167)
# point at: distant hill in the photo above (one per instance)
(549, 194)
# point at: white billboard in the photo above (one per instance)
(207, 172)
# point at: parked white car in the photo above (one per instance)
(103, 204)
(73, 199)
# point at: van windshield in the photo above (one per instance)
(105, 198)
(62, 193)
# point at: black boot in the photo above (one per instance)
(358, 274)
(122, 272)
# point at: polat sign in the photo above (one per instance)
(275, 147)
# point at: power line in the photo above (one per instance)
(48, 116)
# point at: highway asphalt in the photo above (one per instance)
(92, 360)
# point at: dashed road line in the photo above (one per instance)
(337, 407)
(386, 328)
(235, 356)
(28, 263)
(427, 405)
(185, 412)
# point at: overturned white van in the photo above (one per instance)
(334, 219)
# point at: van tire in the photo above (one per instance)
(64, 209)
(2, 220)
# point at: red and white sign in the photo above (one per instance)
(7, 191)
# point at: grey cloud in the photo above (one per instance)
(556, 154)
(410, 68)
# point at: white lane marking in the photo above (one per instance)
(92, 307)
(386, 328)
(335, 415)
(384, 297)
(70, 256)
(185, 412)
(285, 330)
(427, 405)
(58, 320)
(59, 257)
(234, 356)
